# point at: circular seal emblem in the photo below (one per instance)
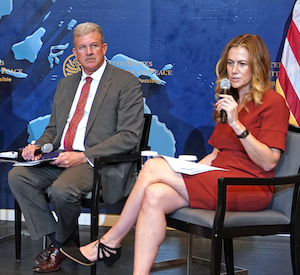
(89, 3)
(157, 49)
(71, 65)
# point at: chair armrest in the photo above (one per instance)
(224, 182)
(113, 159)
(259, 181)
(222, 192)
(102, 162)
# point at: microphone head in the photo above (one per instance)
(225, 84)
(47, 148)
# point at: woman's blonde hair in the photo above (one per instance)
(259, 64)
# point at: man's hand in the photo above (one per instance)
(28, 152)
(69, 159)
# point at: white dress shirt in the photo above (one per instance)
(78, 143)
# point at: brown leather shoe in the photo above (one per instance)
(44, 255)
(52, 263)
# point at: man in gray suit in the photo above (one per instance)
(111, 124)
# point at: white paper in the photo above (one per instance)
(45, 157)
(10, 155)
(31, 163)
(188, 167)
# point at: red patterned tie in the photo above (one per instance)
(70, 134)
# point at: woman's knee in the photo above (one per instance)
(154, 195)
(152, 168)
(150, 165)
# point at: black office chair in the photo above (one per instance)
(93, 199)
(281, 217)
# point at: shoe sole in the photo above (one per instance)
(76, 260)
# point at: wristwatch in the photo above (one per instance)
(244, 134)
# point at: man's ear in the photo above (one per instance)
(74, 52)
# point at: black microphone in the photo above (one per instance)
(46, 148)
(225, 86)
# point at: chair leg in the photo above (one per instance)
(93, 269)
(189, 259)
(295, 253)
(216, 254)
(18, 229)
(228, 251)
(44, 242)
(94, 226)
(94, 232)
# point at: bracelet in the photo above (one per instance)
(244, 134)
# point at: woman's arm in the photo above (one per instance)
(259, 153)
(262, 155)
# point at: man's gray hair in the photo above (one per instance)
(86, 28)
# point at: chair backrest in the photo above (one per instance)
(288, 164)
(146, 132)
(290, 160)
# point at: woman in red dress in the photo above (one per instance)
(248, 145)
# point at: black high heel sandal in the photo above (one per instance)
(112, 258)
(74, 254)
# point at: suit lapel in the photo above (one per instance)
(72, 91)
(100, 95)
(66, 97)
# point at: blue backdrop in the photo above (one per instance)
(172, 46)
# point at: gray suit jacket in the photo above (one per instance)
(114, 125)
